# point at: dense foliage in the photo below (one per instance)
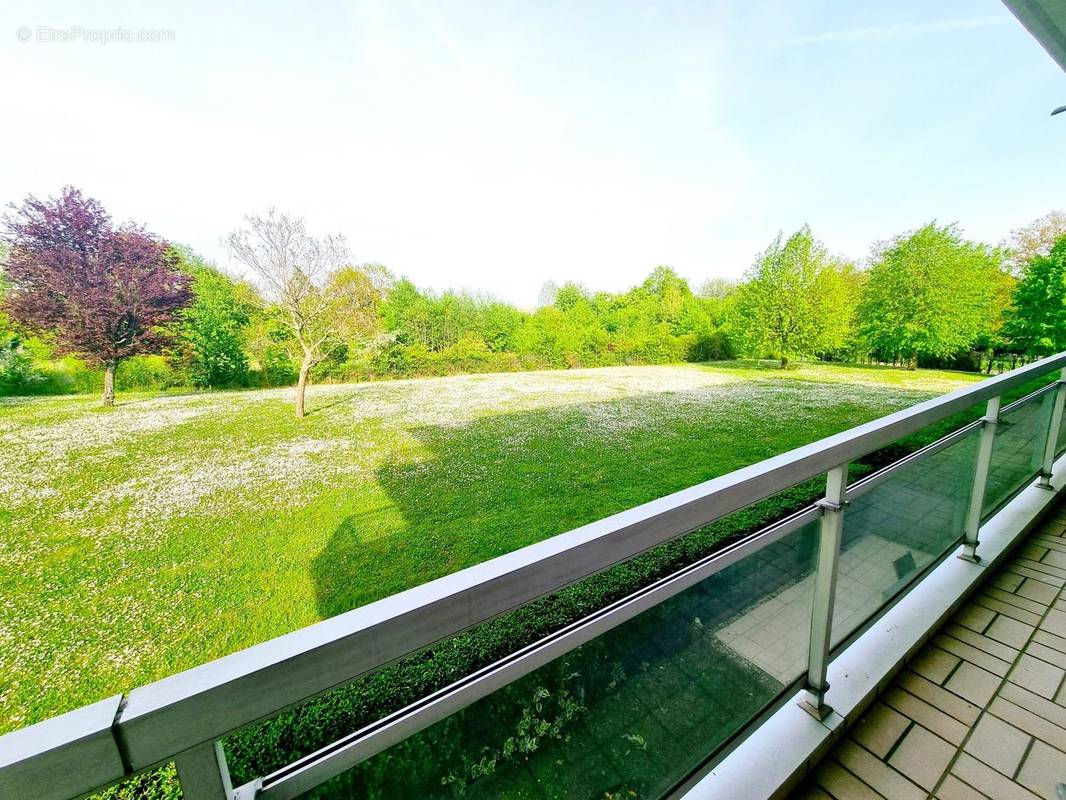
(659, 321)
(1037, 323)
(929, 293)
(213, 329)
(928, 297)
(797, 300)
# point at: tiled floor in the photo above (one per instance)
(775, 635)
(981, 711)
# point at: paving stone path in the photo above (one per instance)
(981, 711)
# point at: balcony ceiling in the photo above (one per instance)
(1046, 20)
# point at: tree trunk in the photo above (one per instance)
(109, 383)
(301, 387)
(784, 362)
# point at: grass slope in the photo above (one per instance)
(175, 529)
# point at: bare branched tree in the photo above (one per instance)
(1034, 240)
(324, 302)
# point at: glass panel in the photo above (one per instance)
(628, 714)
(899, 528)
(1018, 450)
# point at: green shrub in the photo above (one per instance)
(154, 373)
(51, 377)
(212, 334)
(17, 374)
(160, 784)
(275, 368)
(715, 346)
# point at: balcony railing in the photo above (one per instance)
(687, 664)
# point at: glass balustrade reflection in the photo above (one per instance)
(1018, 451)
(628, 714)
(900, 527)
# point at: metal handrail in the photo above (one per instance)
(293, 780)
(182, 716)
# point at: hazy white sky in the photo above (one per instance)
(495, 145)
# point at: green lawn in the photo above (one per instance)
(171, 530)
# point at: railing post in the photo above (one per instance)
(1053, 433)
(980, 480)
(825, 585)
(203, 773)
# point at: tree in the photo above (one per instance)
(323, 302)
(838, 290)
(213, 327)
(569, 295)
(546, 295)
(497, 324)
(1035, 239)
(791, 304)
(996, 338)
(717, 288)
(929, 293)
(103, 293)
(1037, 323)
(405, 313)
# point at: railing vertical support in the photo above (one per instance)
(203, 773)
(1053, 433)
(980, 480)
(825, 585)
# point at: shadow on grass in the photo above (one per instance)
(319, 407)
(502, 482)
(154, 396)
(773, 366)
(641, 704)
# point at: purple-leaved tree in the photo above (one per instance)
(102, 293)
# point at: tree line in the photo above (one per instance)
(88, 305)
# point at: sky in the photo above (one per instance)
(492, 146)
